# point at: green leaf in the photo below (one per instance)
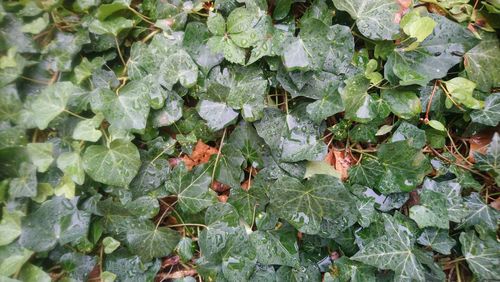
(433, 57)
(149, 241)
(191, 189)
(12, 258)
(437, 239)
(71, 164)
(482, 256)
(56, 220)
(304, 205)
(277, 247)
(51, 102)
(41, 155)
(431, 211)
(10, 226)
(481, 63)
(37, 25)
(179, 67)
(196, 35)
(374, 18)
(490, 161)
(110, 244)
(394, 251)
(437, 125)
(114, 165)
(399, 167)
(25, 184)
(359, 105)
(416, 26)
(406, 131)
(130, 267)
(479, 213)
(461, 90)
(349, 270)
(106, 10)
(110, 26)
(32, 273)
(490, 114)
(127, 110)
(218, 115)
(404, 104)
(10, 103)
(293, 137)
(320, 167)
(216, 24)
(86, 129)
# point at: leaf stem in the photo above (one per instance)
(218, 155)
(119, 51)
(73, 114)
(143, 17)
(188, 224)
(429, 103)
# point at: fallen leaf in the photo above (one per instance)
(219, 187)
(404, 5)
(496, 204)
(479, 143)
(201, 154)
(223, 198)
(340, 161)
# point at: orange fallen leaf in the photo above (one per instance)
(496, 204)
(340, 162)
(219, 187)
(479, 143)
(223, 198)
(404, 5)
(245, 185)
(201, 154)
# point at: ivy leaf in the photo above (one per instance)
(293, 137)
(86, 129)
(394, 250)
(57, 220)
(179, 67)
(52, 102)
(110, 26)
(10, 226)
(461, 90)
(480, 63)
(148, 241)
(407, 131)
(479, 213)
(399, 167)
(128, 110)
(217, 114)
(71, 164)
(416, 26)
(452, 192)
(490, 161)
(482, 255)
(150, 177)
(433, 57)
(106, 10)
(191, 188)
(41, 155)
(374, 18)
(431, 211)
(305, 52)
(130, 267)
(10, 104)
(195, 37)
(30, 272)
(278, 247)
(490, 114)
(13, 257)
(404, 104)
(26, 182)
(359, 105)
(304, 205)
(115, 165)
(437, 239)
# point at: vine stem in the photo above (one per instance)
(73, 114)
(188, 224)
(143, 17)
(119, 51)
(429, 103)
(218, 154)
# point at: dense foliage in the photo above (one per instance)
(245, 140)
